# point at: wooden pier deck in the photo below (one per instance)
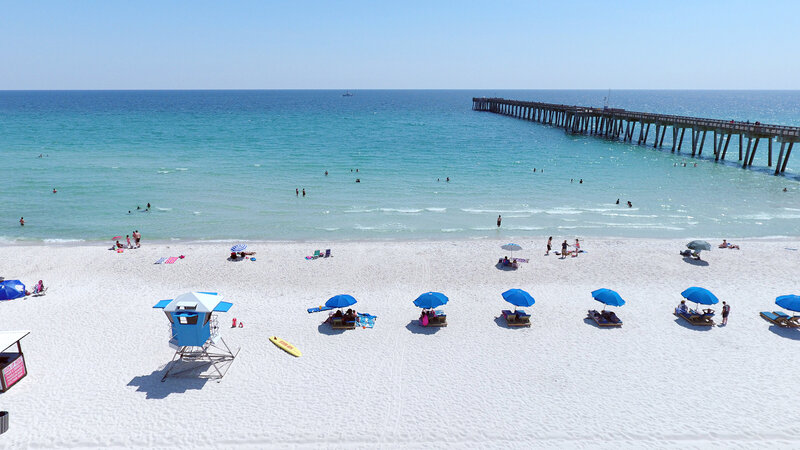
(620, 124)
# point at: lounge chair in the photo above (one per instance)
(604, 318)
(38, 291)
(327, 253)
(781, 319)
(339, 323)
(611, 316)
(696, 318)
(316, 254)
(517, 318)
(437, 319)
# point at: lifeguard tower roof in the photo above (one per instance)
(195, 301)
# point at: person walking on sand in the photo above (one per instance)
(549, 245)
(564, 249)
(499, 219)
(128, 238)
(137, 237)
(726, 309)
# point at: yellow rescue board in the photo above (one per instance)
(287, 347)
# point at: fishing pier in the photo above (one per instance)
(619, 124)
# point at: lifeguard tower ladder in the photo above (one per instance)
(194, 334)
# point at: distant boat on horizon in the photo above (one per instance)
(347, 94)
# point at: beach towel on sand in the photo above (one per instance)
(366, 320)
(318, 309)
(171, 260)
(161, 260)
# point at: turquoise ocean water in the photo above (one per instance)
(224, 165)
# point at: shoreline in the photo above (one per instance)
(543, 238)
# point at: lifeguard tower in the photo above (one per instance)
(194, 334)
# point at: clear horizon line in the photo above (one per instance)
(395, 89)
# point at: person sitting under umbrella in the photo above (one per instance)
(681, 309)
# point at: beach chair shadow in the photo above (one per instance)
(325, 328)
(695, 262)
(595, 324)
(153, 388)
(682, 322)
(416, 328)
(784, 332)
(501, 322)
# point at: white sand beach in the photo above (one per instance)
(97, 348)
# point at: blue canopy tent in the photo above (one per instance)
(11, 289)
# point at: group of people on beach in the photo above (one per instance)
(565, 251)
(137, 238)
(726, 310)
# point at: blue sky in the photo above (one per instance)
(399, 45)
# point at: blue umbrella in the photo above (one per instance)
(700, 295)
(518, 297)
(511, 247)
(11, 289)
(430, 300)
(790, 302)
(238, 247)
(608, 297)
(340, 301)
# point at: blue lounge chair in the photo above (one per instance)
(781, 319)
(605, 318)
(696, 318)
(517, 318)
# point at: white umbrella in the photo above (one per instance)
(511, 247)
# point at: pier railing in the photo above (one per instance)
(615, 123)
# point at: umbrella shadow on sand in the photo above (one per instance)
(416, 328)
(500, 266)
(153, 388)
(695, 262)
(788, 333)
(688, 326)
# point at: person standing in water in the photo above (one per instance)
(297, 192)
(22, 221)
(304, 192)
(499, 219)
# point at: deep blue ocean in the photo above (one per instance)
(224, 165)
